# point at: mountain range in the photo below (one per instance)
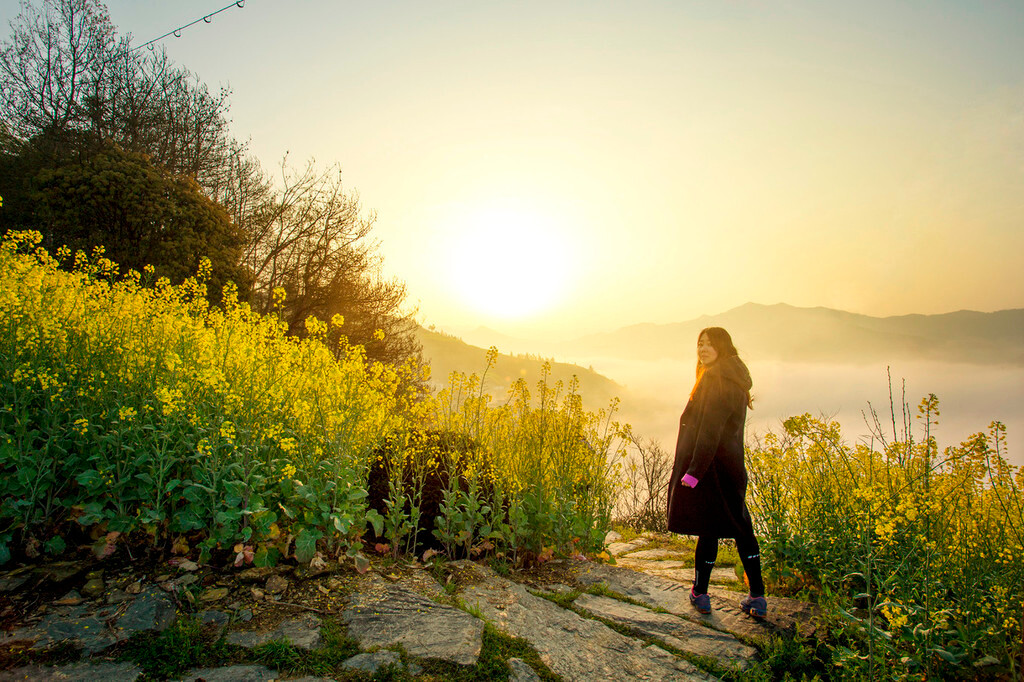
(793, 334)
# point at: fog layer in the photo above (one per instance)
(970, 396)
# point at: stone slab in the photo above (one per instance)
(78, 672)
(574, 647)
(384, 613)
(520, 671)
(673, 630)
(232, 673)
(619, 548)
(371, 663)
(152, 609)
(682, 574)
(655, 554)
(673, 596)
(302, 632)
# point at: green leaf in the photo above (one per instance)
(90, 478)
(55, 545)
(305, 544)
(374, 517)
(266, 556)
(5, 553)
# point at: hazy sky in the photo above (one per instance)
(567, 167)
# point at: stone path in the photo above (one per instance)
(586, 621)
(558, 635)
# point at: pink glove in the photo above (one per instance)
(689, 481)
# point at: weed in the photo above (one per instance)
(171, 653)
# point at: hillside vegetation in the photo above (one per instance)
(447, 354)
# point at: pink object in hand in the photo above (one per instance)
(689, 481)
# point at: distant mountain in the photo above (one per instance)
(785, 332)
(447, 354)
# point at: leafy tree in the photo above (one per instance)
(141, 214)
(88, 126)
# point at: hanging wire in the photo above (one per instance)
(177, 31)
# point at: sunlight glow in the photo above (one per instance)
(508, 261)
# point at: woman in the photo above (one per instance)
(709, 480)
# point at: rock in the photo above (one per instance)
(78, 672)
(557, 634)
(371, 663)
(118, 597)
(213, 594)
(72, 598)
(234, 673)
(276, 584)
(657, 591)
(678, 570)
(303, 632)
(78, 625)
(654, 554)
(134, 588)
(59, 571)
(245, 615)
(677, 632)
(216, 620)
(383, 614)
(12, 580)
(618, 548)
(521, 670)
(93, 588)
(609, 538)
(256, 574)
(151, 611)
(257, 593)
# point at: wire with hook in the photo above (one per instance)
(177, 31)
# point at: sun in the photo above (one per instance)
(508, 262)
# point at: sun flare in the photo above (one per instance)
(509, 262)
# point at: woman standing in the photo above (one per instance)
(707, 491)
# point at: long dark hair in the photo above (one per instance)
(723, 345)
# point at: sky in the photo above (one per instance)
(552, 169)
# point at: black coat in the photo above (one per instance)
(710, 448)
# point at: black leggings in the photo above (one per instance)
(707, 552)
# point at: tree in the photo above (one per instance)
(55, 60)
(312, 241)
(66, 71)
(79, 105)
(141, 214)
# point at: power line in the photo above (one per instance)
(177, 32)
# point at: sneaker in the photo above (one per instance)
(701, 602)
(756, 607)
